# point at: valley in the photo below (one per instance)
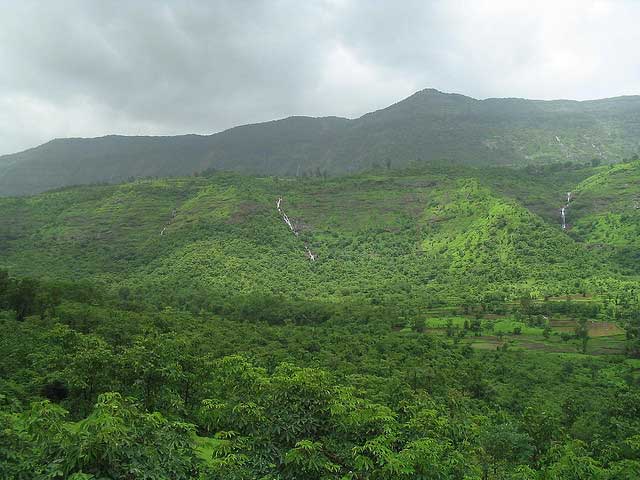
(387, 321)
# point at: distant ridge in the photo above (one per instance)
(427, 126)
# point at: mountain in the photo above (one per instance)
(427, 126)
(423, 235)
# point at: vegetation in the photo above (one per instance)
(448, 329)
(426, 236)
(428, 126)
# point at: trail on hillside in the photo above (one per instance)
(310, 255)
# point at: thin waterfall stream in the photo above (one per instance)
(174, 212)
(563, 211)
(310, 255)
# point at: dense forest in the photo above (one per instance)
(434, 322)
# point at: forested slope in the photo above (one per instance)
(606, 214)
(419, 236)
(427, 126)
(446, 327)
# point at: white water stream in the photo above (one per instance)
(174, 212)
(289, 223)
(563, 211)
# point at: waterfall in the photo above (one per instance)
(289, 223)
(597, 149)
(174, 212)
(310, 254)
(563, 211)
(285, 217)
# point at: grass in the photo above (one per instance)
(605, 337)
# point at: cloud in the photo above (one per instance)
(77, 68)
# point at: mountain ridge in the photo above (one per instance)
(427, 126)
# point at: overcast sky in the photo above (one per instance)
(90, 68)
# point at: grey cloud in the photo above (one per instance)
(79, 68)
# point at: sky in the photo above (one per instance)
(88, 68)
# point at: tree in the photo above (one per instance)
(543, 424)
(151, 365)
(307, 459)
(22, 297)
(450, 328)
(116, 440)
(5, 283)
(582, 334)
(476, 326)
(571, 461)
(526, 304)
(420, 325)
(119, 441)
(632, 328)
(502, 444)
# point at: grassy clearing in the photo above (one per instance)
(605, 337)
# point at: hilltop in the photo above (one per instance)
(427, 126)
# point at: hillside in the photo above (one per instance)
(428, 126)
(433, 322)
(420, 236)
(606, 214)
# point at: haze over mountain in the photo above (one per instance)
(427, 126)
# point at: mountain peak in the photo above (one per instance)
(432, 91)
(438, 95)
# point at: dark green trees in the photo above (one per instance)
(26, 296)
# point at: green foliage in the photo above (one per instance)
(425, 236)
(115, 441)
(395, 405)
(447, 330)
(606, 214)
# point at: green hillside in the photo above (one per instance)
(428, 126)
(430, 322)
(418, 236)
(605, 214)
